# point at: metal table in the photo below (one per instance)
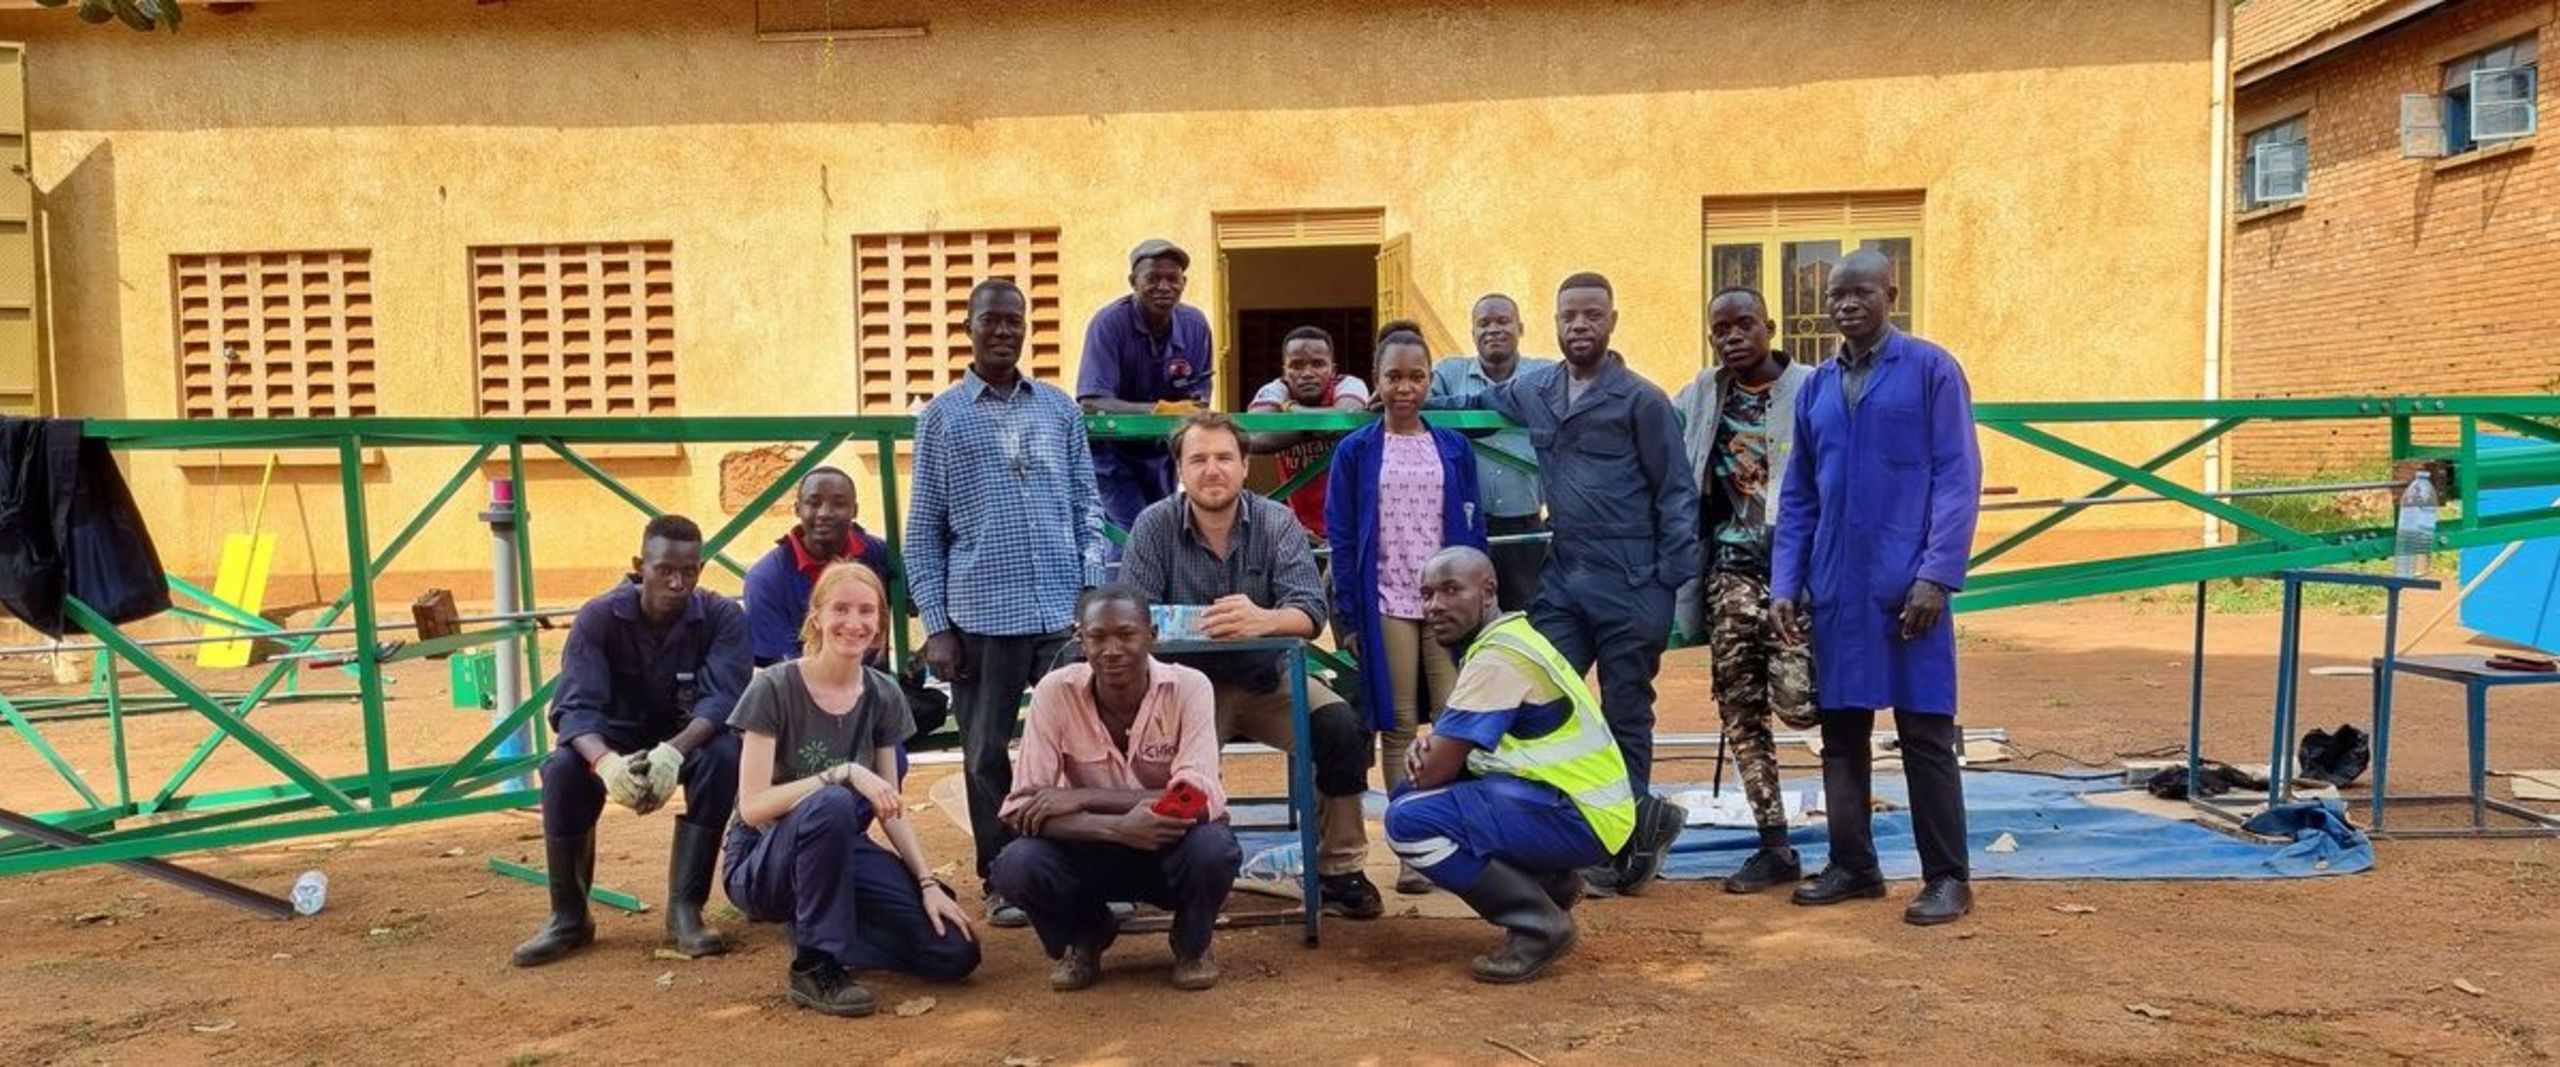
(2476, 678)
(1301, 755)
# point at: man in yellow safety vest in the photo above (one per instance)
(1518, 785)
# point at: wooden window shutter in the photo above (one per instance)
(911, 300)
(21, 381)
(1293, 229)
(1730, 217)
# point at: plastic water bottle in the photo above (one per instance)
(2417, 535)
(310, 893)
(1279, 863)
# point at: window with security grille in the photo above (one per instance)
(575, 329)
(1786, 247)
(274, 335)
(2274, 163)
(911, 300)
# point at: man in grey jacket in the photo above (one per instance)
(1739, 427)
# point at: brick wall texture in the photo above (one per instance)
(2395, 276)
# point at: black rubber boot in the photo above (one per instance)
(1538, 932)
(571, 864)
(689, 864)
(1563, 887)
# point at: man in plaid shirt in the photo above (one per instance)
(1004, 530)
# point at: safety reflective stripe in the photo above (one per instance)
(1428, 852)
(1579, 758)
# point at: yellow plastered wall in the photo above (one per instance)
(2063, 150)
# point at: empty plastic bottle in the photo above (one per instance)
(2416, 539)
(310, 893)
(1279, 863)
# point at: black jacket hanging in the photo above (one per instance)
(68, 527)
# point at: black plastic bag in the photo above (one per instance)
(2337, 757)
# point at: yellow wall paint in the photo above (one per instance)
(2063, 148)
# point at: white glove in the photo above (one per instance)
(665, 763)
(623, 787)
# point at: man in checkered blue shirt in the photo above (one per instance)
(1004, 530)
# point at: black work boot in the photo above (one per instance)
(689, 864)
(1767, 868)
(1537, 932)
(1563, 887)
(1943, 900)
(1658, 824)
(571, 864)
(1837, 884)
(818, 983)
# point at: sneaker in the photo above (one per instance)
(1352, 896)
(1200, 972)
(1002, 914)
(1767, 868)
(1080, 968)
(822, 987)
(1658, 824)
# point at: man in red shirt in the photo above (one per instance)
(1308, 381)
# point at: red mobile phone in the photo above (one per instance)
(1182, 800)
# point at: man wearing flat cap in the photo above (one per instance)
(1145, 353)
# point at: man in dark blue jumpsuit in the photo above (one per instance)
(646, 683)
(1623, 509)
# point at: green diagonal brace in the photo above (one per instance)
(43, 748)
(1305, 475)
(2110, 489)
(489, 742)
(445, 646)
(787, 482)
(1484, 448)
(223, 611)
(276, 673)
(629, 496)
(178, 686)
(255, 833)
(2106, 464)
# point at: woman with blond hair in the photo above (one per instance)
(817, 768)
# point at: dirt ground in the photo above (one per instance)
(2442, 954)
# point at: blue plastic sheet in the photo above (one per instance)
(2061, 835)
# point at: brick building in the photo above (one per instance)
(2395, 225)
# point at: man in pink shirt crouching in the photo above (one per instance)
(1103, 741)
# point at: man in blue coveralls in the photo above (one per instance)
(1623, 508)
(1517, 784)
(647, 678)
(1146, 353)
(777, 586)
(1874, 524)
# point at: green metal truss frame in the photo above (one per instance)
(303, 801)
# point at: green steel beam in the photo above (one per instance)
(470, 762)
(612, 898)
(278, 671)
(259, 833)
(901, 598)
(222, 612)
(36, 741)
(525, 589)
(177, 684)
(2106, 464)
(2171, 455)
(2533, 428)
(368, 651)
(773, 491)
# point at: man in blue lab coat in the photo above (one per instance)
(1874, 524)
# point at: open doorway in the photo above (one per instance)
(1271, 291)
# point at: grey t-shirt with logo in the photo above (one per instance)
(808, 739)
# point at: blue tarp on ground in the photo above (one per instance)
(2060, 835)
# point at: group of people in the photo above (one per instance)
(1793, 517)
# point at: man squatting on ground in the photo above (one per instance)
(1107, 736)
(1873, 531)
(1740, 427)
(1623, 507)
(1518, 785)
(646, 682)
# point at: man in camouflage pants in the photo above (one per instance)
(1740, 424)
